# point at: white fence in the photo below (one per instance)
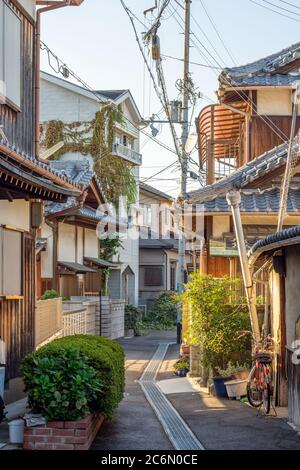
(74, 322)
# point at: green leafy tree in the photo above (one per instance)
(215, 319)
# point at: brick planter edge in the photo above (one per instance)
(63, 435)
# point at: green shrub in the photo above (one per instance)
(105, 356)
(217, 316)
(50, 294)
(132, 318)
(163, 314)
(182, 364)
(61, 387)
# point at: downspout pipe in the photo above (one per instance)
(50, 5)
(234, 199)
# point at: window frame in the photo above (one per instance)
(4, 294)
(4, 99)
(147, 269)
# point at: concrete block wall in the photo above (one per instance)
(109, 320)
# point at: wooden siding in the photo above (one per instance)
(17, 316)
(263, 138)
(19, 126)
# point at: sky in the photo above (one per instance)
(96, 40)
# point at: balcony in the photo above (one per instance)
(127, 153)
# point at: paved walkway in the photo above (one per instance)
(135, 425)
(218, 424)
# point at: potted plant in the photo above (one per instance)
(234, 383)
(181, 367)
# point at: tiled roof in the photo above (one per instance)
(79, 171)
(256, 201)
(269, 64)
(76, 267)
(248, 173)
(284, 235)
(157, 192)
(266, 80)
(76, 170)
(44, 166)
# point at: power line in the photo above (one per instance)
(161, 171)
(274, 11)
(217, 32)
(191, 63)
(288, 3)
(281, 8)
(265, 119)
(61, 63)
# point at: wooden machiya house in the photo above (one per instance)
(25, 181)
(243, 143)
(70, 261)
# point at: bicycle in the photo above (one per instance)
(259, 382)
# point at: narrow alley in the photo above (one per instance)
(217, 424)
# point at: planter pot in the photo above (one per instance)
(63, 435)
(241, 375)
(236, 388)
(181, 372)
(219, 385)
(184, 349)
(16, 431)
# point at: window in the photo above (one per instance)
(10, 262)
(167, 216)
(173, 277)
(153, 276)
(10, 54)
(147, 214)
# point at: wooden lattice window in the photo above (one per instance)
(153, 276)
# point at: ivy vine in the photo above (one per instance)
(96, 138)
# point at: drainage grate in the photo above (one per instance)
(180, 435)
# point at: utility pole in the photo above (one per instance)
(184, 157)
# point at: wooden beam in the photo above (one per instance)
(49, 152)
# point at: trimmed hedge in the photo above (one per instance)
(106, 357)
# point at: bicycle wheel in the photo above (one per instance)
(267, 398)
(254, 391)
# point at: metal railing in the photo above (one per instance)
(127, 153)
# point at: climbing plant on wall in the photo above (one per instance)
(95, 138)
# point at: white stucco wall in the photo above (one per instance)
(66, 243)
(15, 214)
(47, 256)
(274, 102)
(58, 103)
(221, 224)
(91, 243)
(80, 254)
